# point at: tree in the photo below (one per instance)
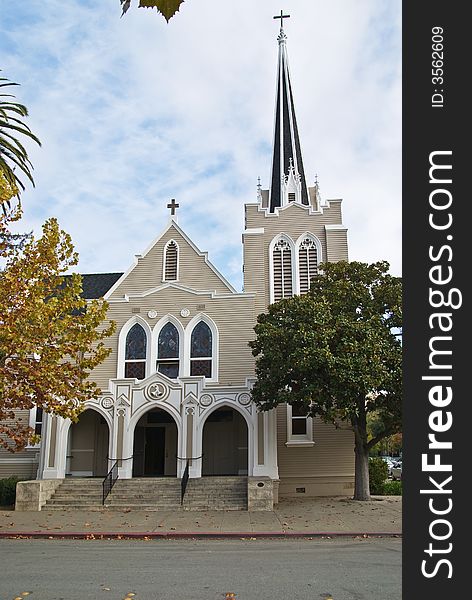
(334, 351)
(390, 445)
(12, 152)
(50, 337)
(167, 8)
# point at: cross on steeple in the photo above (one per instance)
(282, 17)
(173, 205)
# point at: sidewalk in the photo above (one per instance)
(291, 517)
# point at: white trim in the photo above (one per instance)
(214, 349)
(288, 239)
(120, 370)
(305, 440)
(309, 208)
(339, 226)
(164, 261)
(254, 231)
(211, 293)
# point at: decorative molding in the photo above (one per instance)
(244, 399)
(156, 391)
(107, 402)
(206, 400)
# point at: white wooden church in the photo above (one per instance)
(176, 389)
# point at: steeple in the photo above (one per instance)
(288, 183)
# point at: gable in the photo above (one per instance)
(194, 269)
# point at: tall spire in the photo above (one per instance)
(288, 182)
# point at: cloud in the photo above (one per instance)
(133, 112)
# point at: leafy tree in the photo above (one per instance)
(50, 337)
(13, 154)
(389, 445)
(167, 8)
(334, 351)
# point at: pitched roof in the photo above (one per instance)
(96, 285)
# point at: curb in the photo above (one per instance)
(80, 535)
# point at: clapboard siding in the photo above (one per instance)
(23, 469)
(193, 270)
(337, 245)
(332, 454)
(233, 315)
(22, 464)
(294, 221)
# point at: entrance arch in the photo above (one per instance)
(225, 443)
(155, 445)
(87, 446)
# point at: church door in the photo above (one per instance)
(155, 445)
(225, 443)
(154, 451)
(87, 447)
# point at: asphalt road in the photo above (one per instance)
(341, 569)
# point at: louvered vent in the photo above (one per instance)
(282, 270)
(171, 262)
(308, 263)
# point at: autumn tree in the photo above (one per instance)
(50, 337)
(335, 352)
(167, 8)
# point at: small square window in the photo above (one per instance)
(299, 426)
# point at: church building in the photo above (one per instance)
(176, 389)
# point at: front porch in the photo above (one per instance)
(154, 427)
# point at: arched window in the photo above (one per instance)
(168, 351)
(135, 352)
(201, 350)
(307, 262)
(171, 257)
(282, 270)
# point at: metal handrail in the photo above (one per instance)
(109, 481)
(183, 483)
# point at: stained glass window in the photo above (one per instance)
(201, 350)
(168, 343)
(201, 341)
(135, 343)
(135, 352)
(168, 351)
(135, 369)
(200, 367)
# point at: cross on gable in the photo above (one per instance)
(282, 17)
(173, 206)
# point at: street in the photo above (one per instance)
(341, 569)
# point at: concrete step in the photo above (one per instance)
(216, 493)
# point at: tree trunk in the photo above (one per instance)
(361, 483)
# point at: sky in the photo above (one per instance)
(134, 111)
